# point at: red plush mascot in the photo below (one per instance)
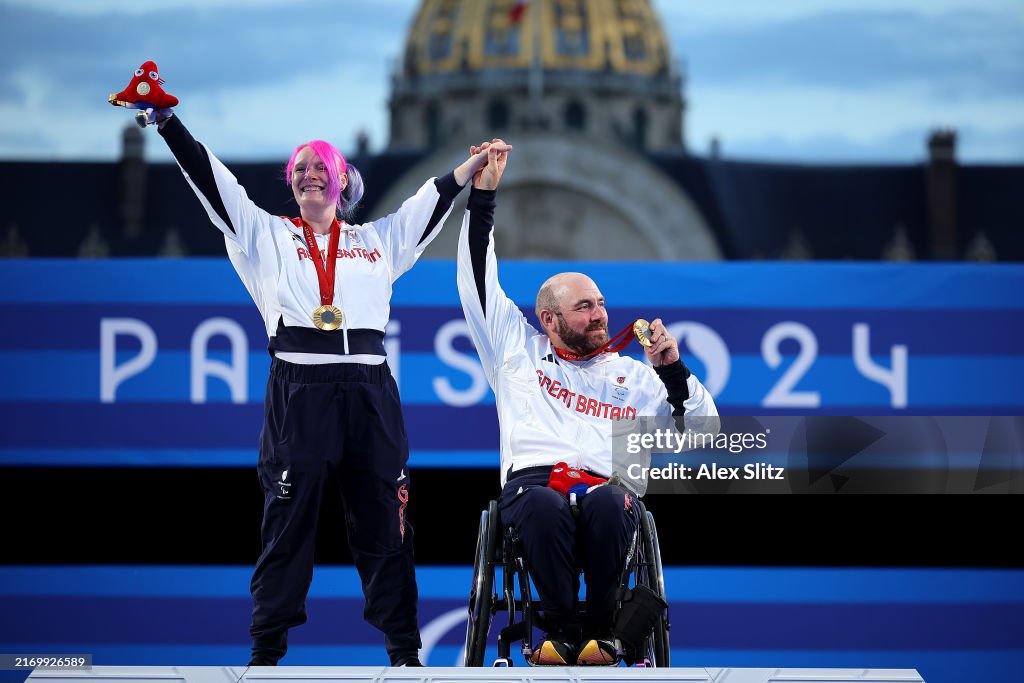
(573, 483)
(145, 92)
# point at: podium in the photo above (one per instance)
(525, 674)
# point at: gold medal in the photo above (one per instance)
(327, 317)
(642, 330)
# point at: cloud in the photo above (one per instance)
(58, 65)
(813, 82)
(1004, 146)
(702, 14)
(963, 54)
(890, 122)
(134, 7)
(197, 49)
(235, 131)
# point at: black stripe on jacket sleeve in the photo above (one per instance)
(674, 376)
(449, 190)
(196, 163)
(481, 221)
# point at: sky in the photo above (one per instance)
(806, 81)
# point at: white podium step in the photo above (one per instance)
(524, 674)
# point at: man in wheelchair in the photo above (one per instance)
(558, 391)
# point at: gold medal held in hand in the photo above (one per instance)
(327, 317)
(642, 330)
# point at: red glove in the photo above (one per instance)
(145, 87)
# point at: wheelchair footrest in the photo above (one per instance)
(502, 662)
(512, 633)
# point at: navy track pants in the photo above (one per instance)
(334, 430)
(558, 546)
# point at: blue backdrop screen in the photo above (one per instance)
(164, 362)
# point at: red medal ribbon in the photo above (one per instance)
(613, 345)
(324, 275)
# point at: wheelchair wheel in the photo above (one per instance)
(481, 594)
(654, 578)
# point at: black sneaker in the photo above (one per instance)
(553, 652)
(410, 662)
(258, 660)
(598, 652)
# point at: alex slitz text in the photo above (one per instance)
(753, 470)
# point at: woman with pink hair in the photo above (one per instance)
(333, 422)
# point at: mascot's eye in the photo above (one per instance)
(154, 76)
(139, 72)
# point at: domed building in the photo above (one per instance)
(596, 68)
(583, 89)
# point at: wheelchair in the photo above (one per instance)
(498, 547)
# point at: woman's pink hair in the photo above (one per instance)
(326, 151)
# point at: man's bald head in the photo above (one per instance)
(555, 291)
(570, 310)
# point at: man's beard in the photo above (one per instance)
(582, 343)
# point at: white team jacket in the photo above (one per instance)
(550, 409)
(270, 255)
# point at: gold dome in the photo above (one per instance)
(616, 36)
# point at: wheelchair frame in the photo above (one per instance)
(643, 565)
